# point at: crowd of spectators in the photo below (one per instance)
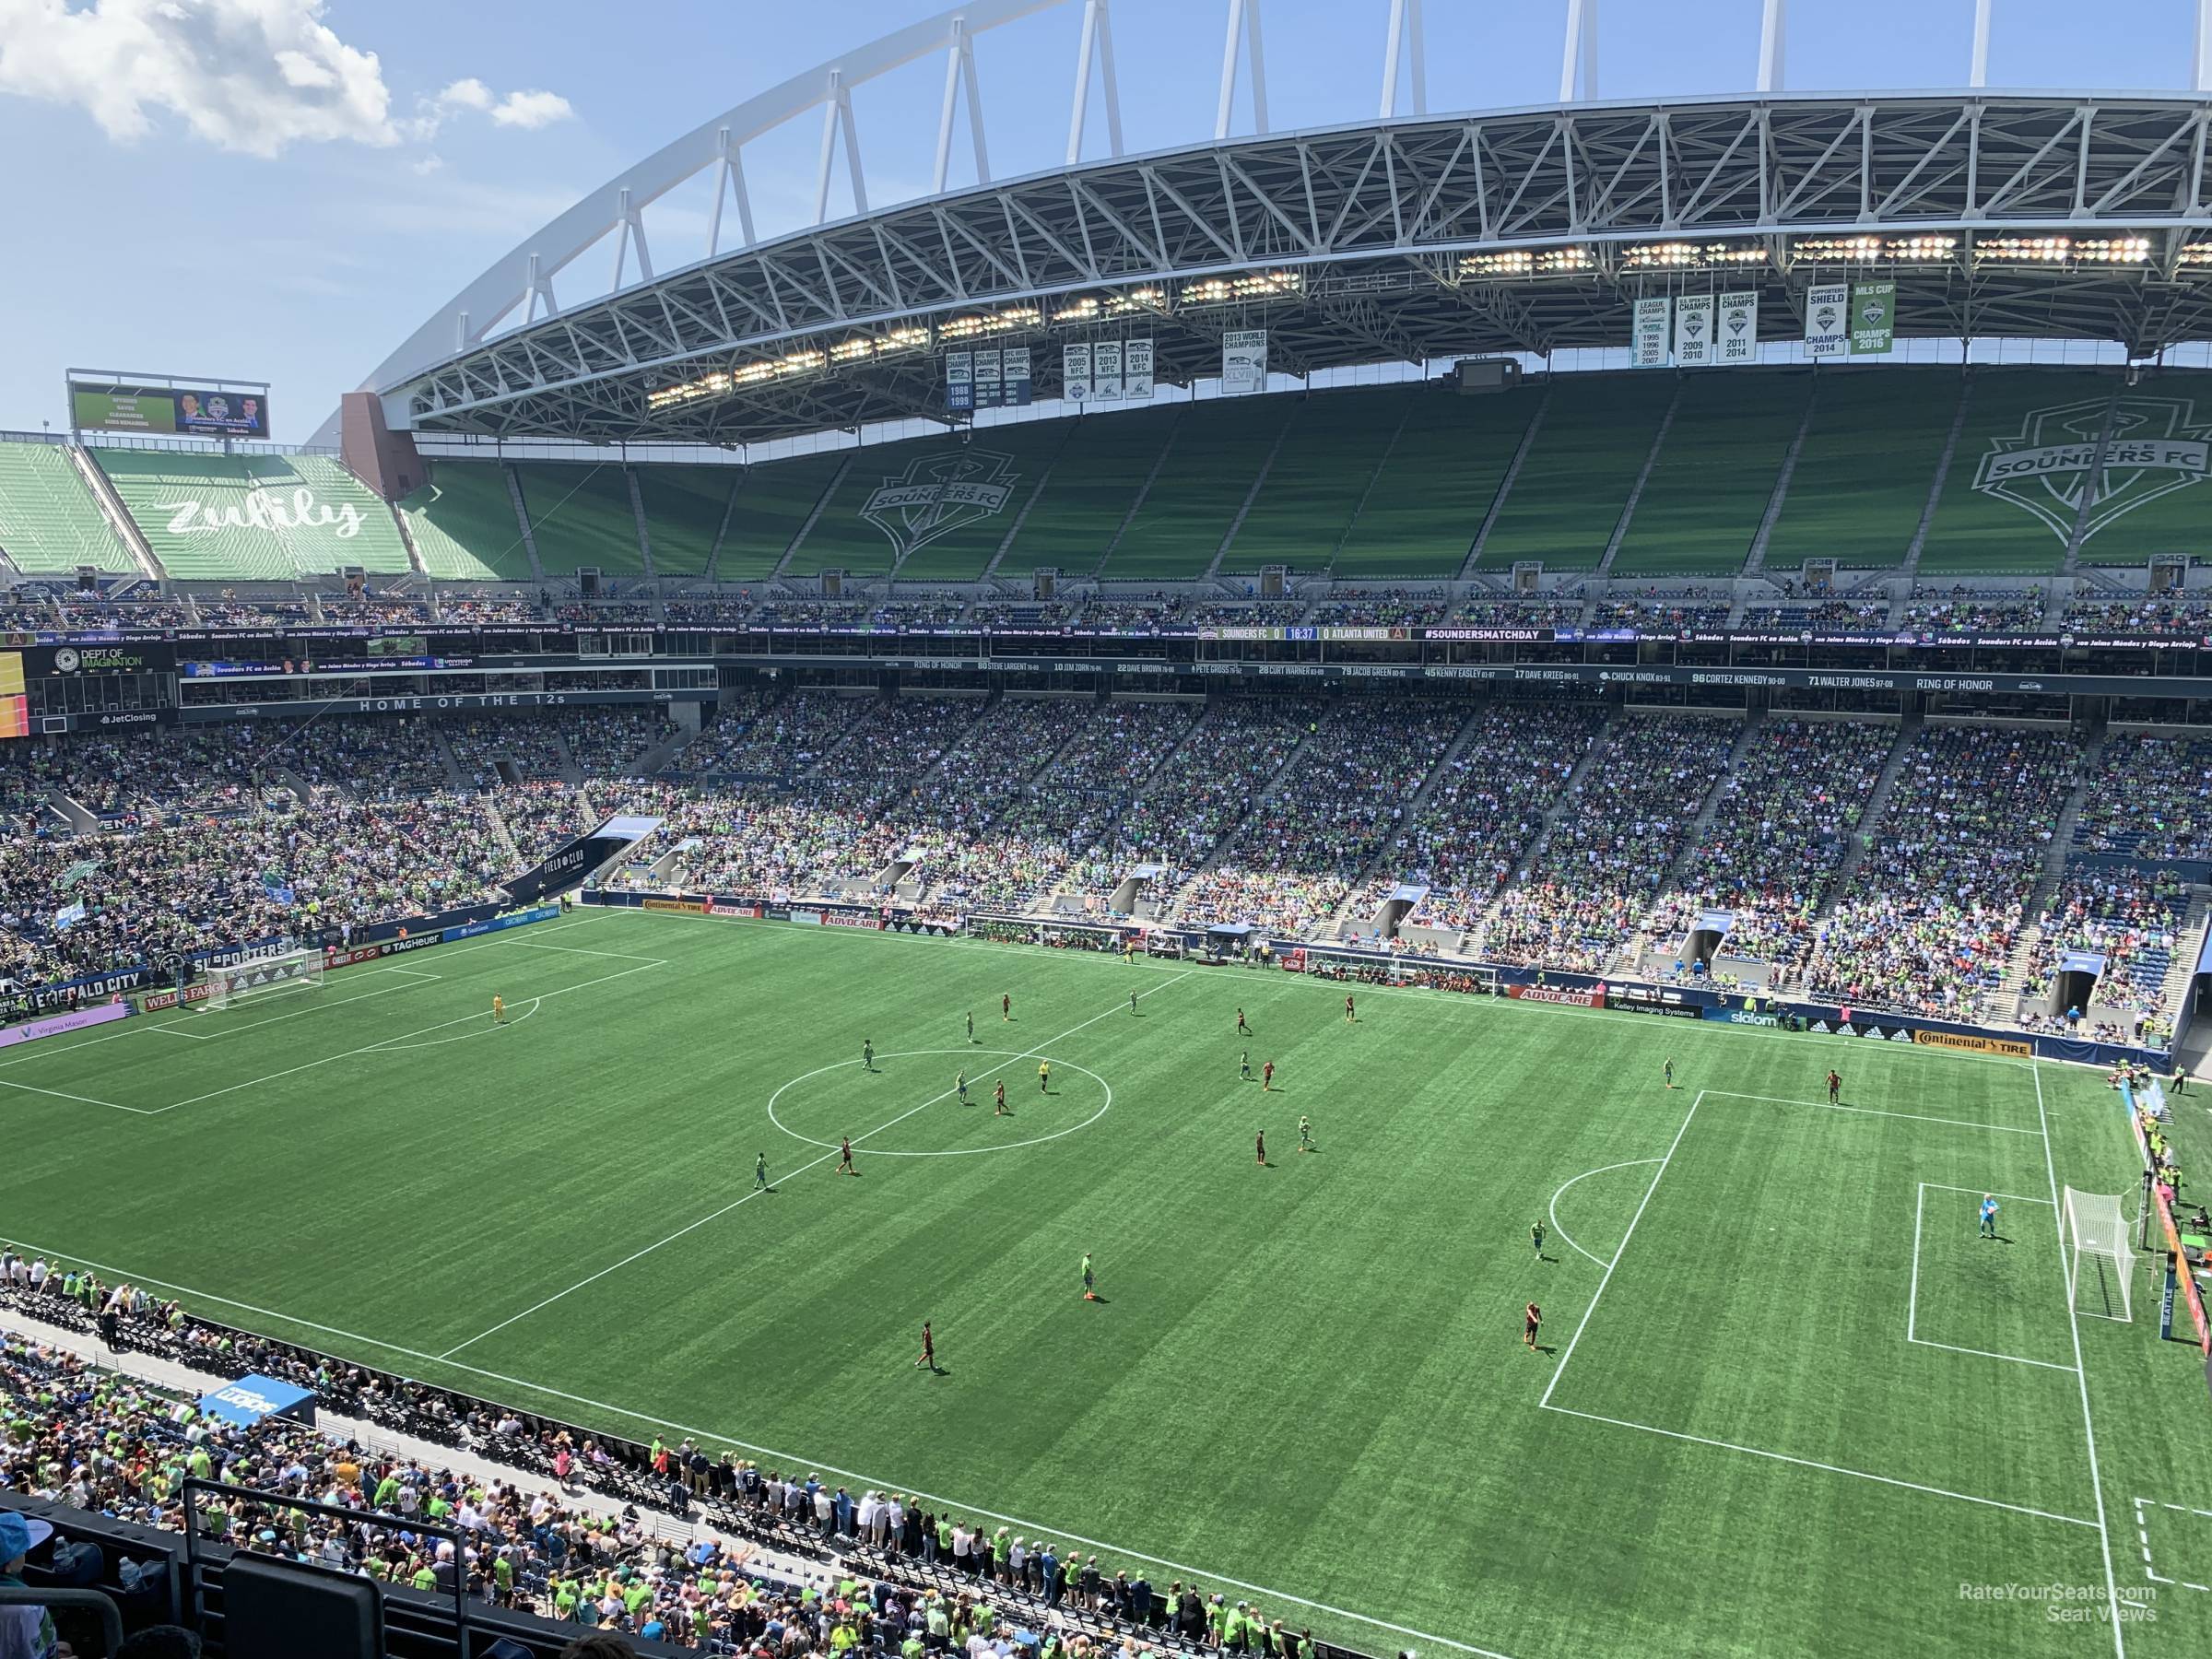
(962, 828)
(1654, 611)
(606, 613)
(2150, 797)
(608, 742)
(890, 748)
(1594, 877)
(2164, 614)
(1973, 610)
(1485, 810)
(705, 1550)
(1929, 918)
(1547, 610)
(1781, 826)
(202, 883)
(1339, 802)
(529, 742)
(1017, 613)
(1392, 608)
(2130, 917)
(783, 739)
(708, 612)
(488, 607)
(1067, 815)
(1201, 792)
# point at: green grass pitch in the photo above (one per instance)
(1786, 1401)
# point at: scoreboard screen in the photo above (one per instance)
(193, 412)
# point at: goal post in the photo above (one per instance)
(2100, 1267)
(262, 976)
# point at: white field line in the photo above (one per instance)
(368, 1048)
(80, 1100)
(1942, 1186)
(1552, 1209)
(1806, 1463)
(617, 955)
(814, 1163)
(1730, 1094)
(139, 1024)
(1988, 1354)
(774, 1455)
(228, 1028)
(2088, 1426)
(1920, 1200)
(1444, 999)
(1560, 1370)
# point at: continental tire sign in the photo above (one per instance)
(1975, 1045)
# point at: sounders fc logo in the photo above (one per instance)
(2157, 446)
(938, 494)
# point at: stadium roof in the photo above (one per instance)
(1405, 238)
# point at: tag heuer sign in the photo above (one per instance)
(2157, 445)
(938, 494)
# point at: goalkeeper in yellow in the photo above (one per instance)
(498, 1009)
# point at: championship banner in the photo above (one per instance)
(959, 381)
(1693, 331)
(1106, 371)
(1244, 361)
(1828, 320)
(1872, 318)
(986, 380)
(1014, 376)
(1137, 370)
(1075, 373)
(1647, 339)
(1738, 333)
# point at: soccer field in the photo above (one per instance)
(1785, 1402)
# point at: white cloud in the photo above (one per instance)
(249, 75)
(254, 75)
(531, 111)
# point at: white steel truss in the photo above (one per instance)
(1521, 230)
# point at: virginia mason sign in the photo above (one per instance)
(2157, 446)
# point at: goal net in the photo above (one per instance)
(2098, 1261)
(292, 970)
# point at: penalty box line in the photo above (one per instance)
(811, 1164)
(381, 1042)
(1544, 1403)
(1920, 1201)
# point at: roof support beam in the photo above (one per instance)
(1097, 42)
(1244, 34)
(959, 70)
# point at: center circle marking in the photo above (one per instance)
(1037, 1140)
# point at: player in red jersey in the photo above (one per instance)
(1532, 1320)
(844, 1158)
(1005, 1007)
(929, 1349)
(999, 1098)
(1835, 1088)
(1260, 1142)
(1347, 1011)
(1268, 1078)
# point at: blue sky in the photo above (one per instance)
(281, 190)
